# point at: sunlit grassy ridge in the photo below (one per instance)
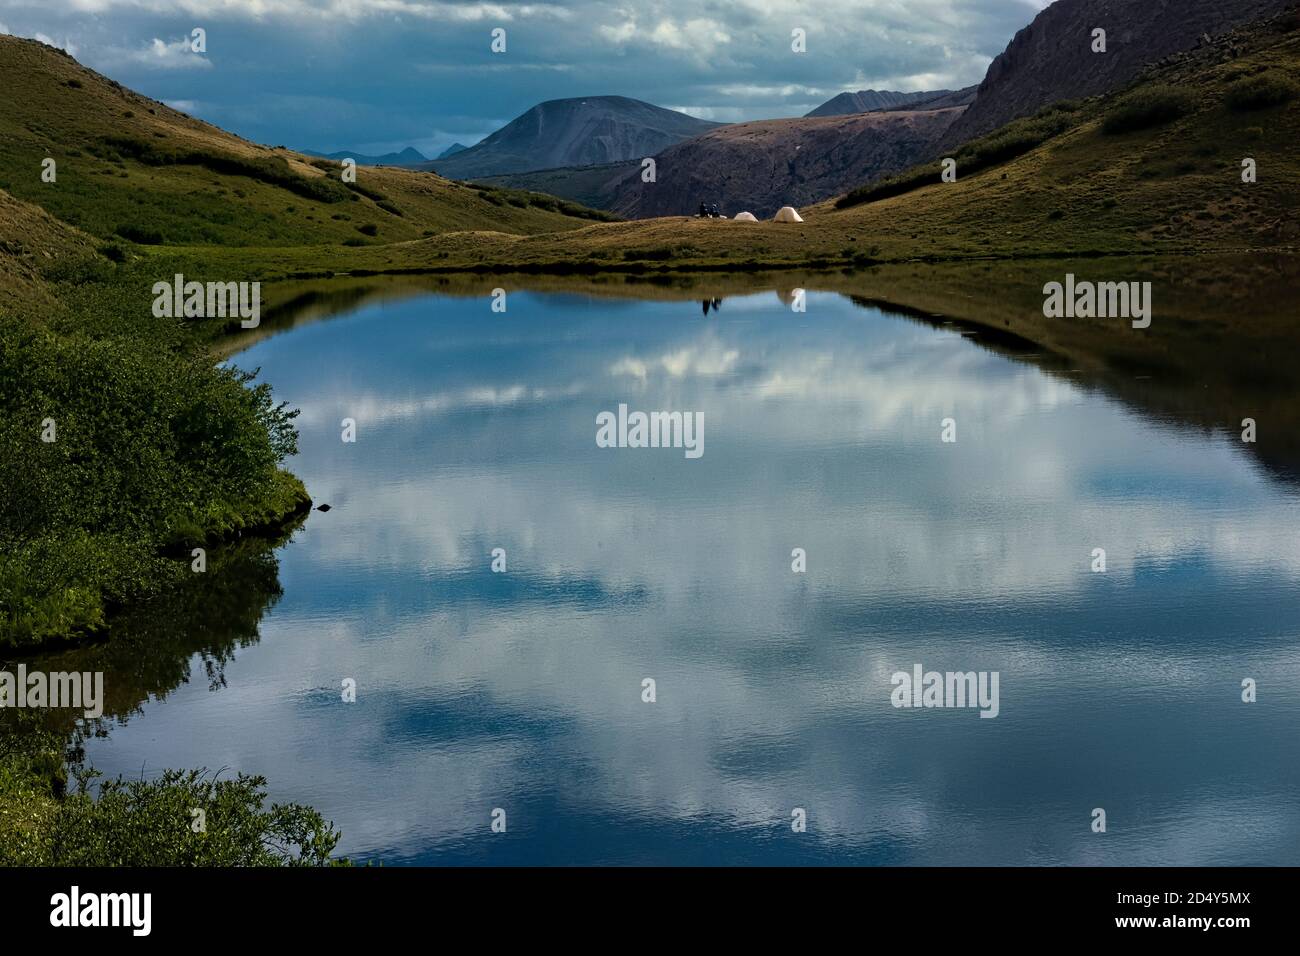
(132, 167)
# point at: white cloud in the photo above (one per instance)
(217, 10)
(717, 114)
(618, 33)
(174, 55)
(698, 36)
(756, 90)
(66, 45)
(157, 54)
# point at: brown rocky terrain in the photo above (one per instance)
(764, 165)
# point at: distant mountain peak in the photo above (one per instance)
(574, 131)
(406, 157)
(867, 101)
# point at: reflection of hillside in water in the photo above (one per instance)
(1220, 348)
(150, 650)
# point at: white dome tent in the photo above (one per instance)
(745, 217)
(787, 214)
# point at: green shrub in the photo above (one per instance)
(45, 823)
(372, 194)
(1270, 88)
(1147, 107)
(148, 441)
(148, 823)
(143, 235)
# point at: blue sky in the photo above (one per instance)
(374, 75)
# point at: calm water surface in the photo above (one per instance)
(522, 690)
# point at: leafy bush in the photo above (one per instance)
(372, 194)
(143, 823)
(149, 823)
(1270, 88)
(1148, 106)
(147, 442)
(144, 235)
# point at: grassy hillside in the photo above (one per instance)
(132, 168)
(33, 244)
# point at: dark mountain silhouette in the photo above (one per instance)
(584, 131)
(452, 150)
(407, 157)
(865, 101)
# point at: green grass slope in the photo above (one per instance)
(130, 167)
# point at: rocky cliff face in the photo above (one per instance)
(1052, 58)
(765, 165)
(574, 132)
